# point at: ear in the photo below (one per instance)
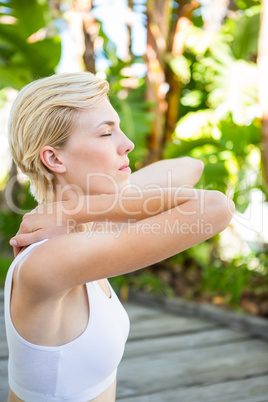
(51, 159)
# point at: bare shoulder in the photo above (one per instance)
(67, 261)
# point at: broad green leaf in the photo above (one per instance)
(180, 67)
(44, 55)
(196, 124)
(21, 60)
(246, 33)
(32, 15)
(183, 147)
(192, 98)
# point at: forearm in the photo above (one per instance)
(127, 205)
(175, 172)
(49, 220)
(145, 197)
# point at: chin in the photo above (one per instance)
(111, 186)
(123, 184)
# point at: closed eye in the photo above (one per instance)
(106, 135)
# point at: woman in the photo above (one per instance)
(66, 329)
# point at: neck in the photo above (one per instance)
(67, 192)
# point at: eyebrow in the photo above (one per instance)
(107, 122)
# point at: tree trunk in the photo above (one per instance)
(176, 47)
(263, 85)
(85, 30)
(165, 38)
(129, 23)
(158, 13)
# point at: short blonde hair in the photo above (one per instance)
(45, 113)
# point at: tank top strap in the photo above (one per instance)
(97, 288)
(24, 252)
(9, 277)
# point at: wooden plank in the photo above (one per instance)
(249, 390)
(183, 342)
(167, 324)
(161, 361)
(137, 312)
(252, 324)
(165, 370)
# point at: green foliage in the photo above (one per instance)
(180, 67)
(10, 220)
(148, 282)
(218, 122)
(225, 149)
(4, 265)
(244, 33)
(143, 280)
(229, 279)
(24, 58)
(136, 121)
(225, 278)
(245, 4)
(29, 49)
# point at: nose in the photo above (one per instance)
(126, 145)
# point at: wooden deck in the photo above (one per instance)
(172, 358)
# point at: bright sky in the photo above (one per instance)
(113, 14)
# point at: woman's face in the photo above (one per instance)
(96, 154)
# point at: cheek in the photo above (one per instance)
(92, 157)
(103, 157)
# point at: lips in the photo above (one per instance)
(125, 168)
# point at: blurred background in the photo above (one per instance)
(187, 78)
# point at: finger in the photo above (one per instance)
(22, 240)
(16, 251)
(29, 214)
(28, 224)
(24, 226)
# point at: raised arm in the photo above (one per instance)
(175, 172)
(49, 220)
(145, 184)
(96, 255)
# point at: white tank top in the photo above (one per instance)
(74, 372)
